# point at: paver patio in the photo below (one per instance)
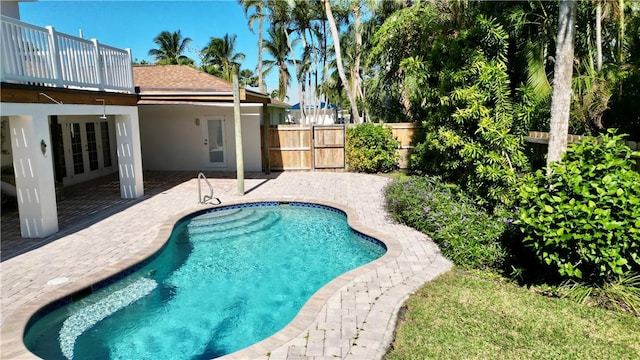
(351, 318)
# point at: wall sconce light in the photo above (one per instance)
(197, 121)
(104, 115)
(43, 147)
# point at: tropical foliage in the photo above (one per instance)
(583, 217)
(171, 49)
(220, 58)
(371, 148)
(466, 234)
(276, 47)
(531, 28)
(461, 88)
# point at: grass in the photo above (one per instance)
(473, 316)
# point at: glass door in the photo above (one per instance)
(88, 146)
(214, 141)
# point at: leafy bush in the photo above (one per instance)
(371, 148)
(584, 218)
(473, 128)
(466, 234)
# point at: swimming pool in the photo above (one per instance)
(226, 279)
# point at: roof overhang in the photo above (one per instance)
(33, 94)
(159, 96)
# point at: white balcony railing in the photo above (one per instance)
(41, 56)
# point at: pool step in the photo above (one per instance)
(241, 228)
(219, 216)
(228, 223)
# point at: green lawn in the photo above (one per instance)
(467, 316)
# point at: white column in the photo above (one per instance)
(33, 167)
(129, 155)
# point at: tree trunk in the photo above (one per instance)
(358, 29)
(261, 84)
(621, 33)
(563, 72)
(343, 77)
(295, 67)
(599, 34)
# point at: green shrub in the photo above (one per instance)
(371, 148)
(473, 128)
(466, 234)
(584, 218)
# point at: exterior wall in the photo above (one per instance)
(172, 138)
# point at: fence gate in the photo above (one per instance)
(328, 146)
(290, 147)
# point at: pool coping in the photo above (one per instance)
(15, 325)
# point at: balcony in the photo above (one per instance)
(38, 56)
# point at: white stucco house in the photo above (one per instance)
(72, 110)
(187, 120)
(69, 113)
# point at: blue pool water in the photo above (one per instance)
(225, 280)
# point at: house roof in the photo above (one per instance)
(177, 78)
(161, 83)
(278, 103)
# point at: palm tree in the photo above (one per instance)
(343, 77)
(282, 17)
(562, 75)
(276, 46)
(247, 78)
(171, 47)
(259, 7)
(219, 57)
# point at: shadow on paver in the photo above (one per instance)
(83, 205)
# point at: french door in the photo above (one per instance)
(88, 150)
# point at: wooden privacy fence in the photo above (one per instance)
(311, 147)
(538, 142)
(320, 147)
(404, 133)
(305, 147)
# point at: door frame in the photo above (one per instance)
(206, 141)
(73, 178)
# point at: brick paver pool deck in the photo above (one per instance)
(353, 317)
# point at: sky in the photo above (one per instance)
(134, 25)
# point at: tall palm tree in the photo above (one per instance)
(336, 41)
(282, 17)
(171, 47)
(258, 14)
(219, 57)
(276, 46)
(562, 75)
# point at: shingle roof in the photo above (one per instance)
(177, 78)
(279, 103)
